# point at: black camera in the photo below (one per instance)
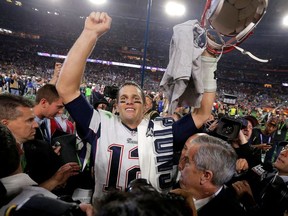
(41, 205)
(228, 128)
(111, 91)
(140, 185)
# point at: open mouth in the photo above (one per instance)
(130, 109)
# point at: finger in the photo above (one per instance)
(96, 17)
(103, 17)
(72, 163)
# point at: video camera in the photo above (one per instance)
(141, 185)
(41, 205)
(111, 91)
(229, 127)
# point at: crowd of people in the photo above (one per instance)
(67, 142)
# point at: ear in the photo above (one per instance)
(207, 176)
(117, 104)
(4, 122)
(43, 102)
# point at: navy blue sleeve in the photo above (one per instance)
(81, 112)
(182, 130)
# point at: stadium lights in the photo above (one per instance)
(175, 9)
(98, 2)
(285, 21)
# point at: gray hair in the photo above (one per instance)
(217, 156)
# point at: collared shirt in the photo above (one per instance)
(285, 178)
(201, 202)
(44, 128)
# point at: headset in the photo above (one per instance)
(230, 22)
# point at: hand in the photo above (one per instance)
(241, 188)
(213, 126)
(188, 197)
(65, 171)
(241, 165)
(99, 22)
(56, 149)
(263, 146)
(57, 69)
(87, 208)
(61, 176)
(242, 138)
(208, 54)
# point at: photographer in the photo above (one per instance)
(264, 140)
(241, 143)
(237, 131)
(269, 194)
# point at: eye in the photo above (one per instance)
(186, 160)
(137, 100)
(122, 100)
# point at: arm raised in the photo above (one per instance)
(68, 85)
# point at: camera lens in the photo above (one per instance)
(227, 129)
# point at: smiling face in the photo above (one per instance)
(130, 105)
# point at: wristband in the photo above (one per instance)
(209, 67)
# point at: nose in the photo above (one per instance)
(35, 124)
(129, 101)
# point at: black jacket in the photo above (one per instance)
(224, 204)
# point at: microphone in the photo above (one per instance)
(260, 172)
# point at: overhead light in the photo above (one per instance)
(285, 21)
(175, 9)
(98, 2)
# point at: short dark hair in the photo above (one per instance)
(9, 104)
(132, 83)
(49, 92)
(142, 203)
(9, 155)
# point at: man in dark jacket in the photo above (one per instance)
(207, 163)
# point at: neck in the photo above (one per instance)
(130, 126)
(207, 192)
(283, 173)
